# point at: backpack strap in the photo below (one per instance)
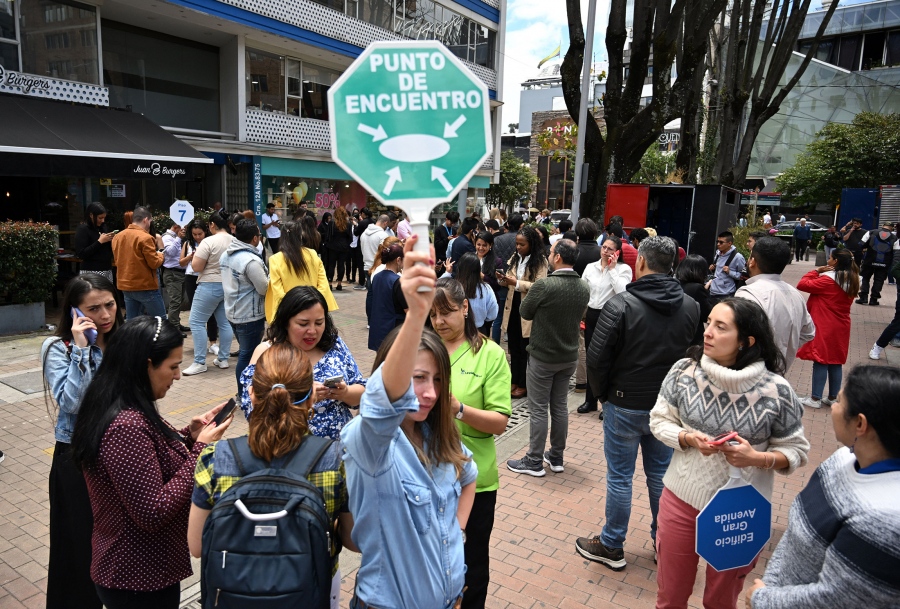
(731, 257)
(301, 461)
(307, 455)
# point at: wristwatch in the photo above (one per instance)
(459, 415)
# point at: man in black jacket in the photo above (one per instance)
(640, 334)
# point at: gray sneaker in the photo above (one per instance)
(895, 342)
(525, 466)
(556, 465)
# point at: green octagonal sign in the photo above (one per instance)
(411, 123)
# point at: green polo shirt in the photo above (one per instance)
(481, 380)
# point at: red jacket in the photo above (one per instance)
(629, 256)
(829, 307)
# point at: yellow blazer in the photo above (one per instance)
(282, 280)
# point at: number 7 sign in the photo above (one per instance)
(181, 212)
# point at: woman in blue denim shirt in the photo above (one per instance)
(302, 319)
(411, 481)
(70, 360)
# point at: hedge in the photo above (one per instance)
(27, 262)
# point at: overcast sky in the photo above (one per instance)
(534, 28)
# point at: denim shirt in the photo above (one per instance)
(68, 371)
(404, 514)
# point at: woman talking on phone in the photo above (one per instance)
(139, 469)
(90, 316)
(606, 278)
(732, 384)
(411, 481)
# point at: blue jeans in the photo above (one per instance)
(209, 300)
(150, 301)
(248, 335)
(834, 372)
(623, 432)
(496, 330)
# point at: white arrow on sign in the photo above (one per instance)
(377, 134)
(450, 129)
(393, 177)
(438, 174)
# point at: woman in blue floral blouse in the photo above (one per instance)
(302, 319)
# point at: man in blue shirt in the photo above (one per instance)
(726, 268)
(802, 235)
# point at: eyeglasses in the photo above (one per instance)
(720, 242)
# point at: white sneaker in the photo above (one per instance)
(810, 403)
(193, 369)
(876, 352)
(221, 363)
(214, 349)
(827, 402)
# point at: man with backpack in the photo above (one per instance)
(879, 246)
(726, 269)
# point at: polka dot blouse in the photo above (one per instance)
(140, 490)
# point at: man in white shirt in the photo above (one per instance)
(369, 242)
(271, 223)
(785, 307)
(564, 225)
(767, 219)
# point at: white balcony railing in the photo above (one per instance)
(336, 25)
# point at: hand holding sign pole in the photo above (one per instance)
(411, 124)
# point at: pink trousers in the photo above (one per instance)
(675, 546)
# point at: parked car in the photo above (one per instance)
(559, 214)
(817, 229)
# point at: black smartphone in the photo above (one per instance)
(333, 381)
(225, 412)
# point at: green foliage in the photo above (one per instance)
(862, 154)
(516, 181)
(559, 143)
(27, 262)
(655, 166)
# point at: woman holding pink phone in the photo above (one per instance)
(724, 405)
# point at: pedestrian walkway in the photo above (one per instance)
(534, 563)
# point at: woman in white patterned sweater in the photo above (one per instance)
(733, 383)
(842, 544)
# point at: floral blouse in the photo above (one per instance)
(329, 416)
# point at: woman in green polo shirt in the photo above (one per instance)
(479, 383)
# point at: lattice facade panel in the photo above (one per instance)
(336, 25)
(287, 130)
(52, 88)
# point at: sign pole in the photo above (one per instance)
(586, 91)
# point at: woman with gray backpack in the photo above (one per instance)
(265, 505)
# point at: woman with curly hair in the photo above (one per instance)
(526, 266)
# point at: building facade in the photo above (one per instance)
(238, 86)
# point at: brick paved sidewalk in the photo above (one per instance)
(533, 559)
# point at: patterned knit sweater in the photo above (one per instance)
(712, 399)
(842, 544)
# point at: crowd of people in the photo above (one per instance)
(400, 465)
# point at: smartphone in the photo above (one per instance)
(115, 232)
(225, 412)
(333, 381)
(499, 274)
(720, 439)
(90, 334)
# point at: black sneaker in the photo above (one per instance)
(2, 456)
(873, 303)
(593, 549)
(556, 465)
(862, 300)
(525, 466)
(655, 554)
(580, 387)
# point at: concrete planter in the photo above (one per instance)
(18, 318)
(820, 258)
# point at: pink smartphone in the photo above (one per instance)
(720, 439)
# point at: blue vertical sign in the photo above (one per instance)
(734, 526)
(256, 194)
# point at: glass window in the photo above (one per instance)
(378, 12)
(873, 51)
(849, 54)
(316, 82)
(173, 81)
(9, 56)
(265, 81)
(294, 89)
(893, 48)
(7, 20)
(52, 40)
(337, 5)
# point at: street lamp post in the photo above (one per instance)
(586, 92)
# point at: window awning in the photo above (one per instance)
(52, 138)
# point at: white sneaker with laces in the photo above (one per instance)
(214, 349)
(193, 369)
(221, 363)
(827, 401)
(876, 352)
(810, 403)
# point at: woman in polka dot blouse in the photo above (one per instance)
(138, 468)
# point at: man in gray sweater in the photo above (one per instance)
(556, 306)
